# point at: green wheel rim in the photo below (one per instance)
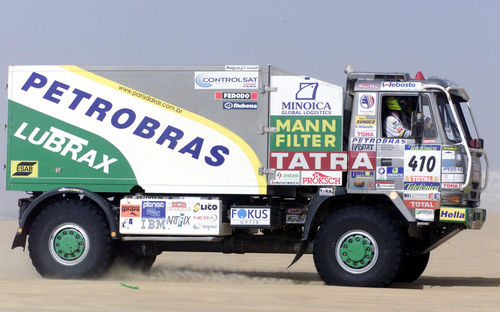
(69, 244)
(356, 251)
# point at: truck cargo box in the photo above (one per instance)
(189, 130)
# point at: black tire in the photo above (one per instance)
(350, 233)
(135, 262)
(81, 228)
(412, 267)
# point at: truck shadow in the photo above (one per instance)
(442, 281)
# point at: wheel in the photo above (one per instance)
(135, 262)
(412, 267)
(70, 239)
(358, 246)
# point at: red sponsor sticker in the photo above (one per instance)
(450, 185)
(420, 179)
(422, 204)
(321, 161)
(130, 211)
(321, 178)
(362, 160)
(368, 86)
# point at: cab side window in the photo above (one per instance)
(396, 115)
(430, 131)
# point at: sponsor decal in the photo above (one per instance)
(326, 191)
(323, 161)
(361, 160)
(295, 219)
(365, 123)
(452, 169)
(385, 185)
(362, 174)
(123, 119)
(126, 223)
(251, 216)
(365, 133)
(452, 214)
(304, 96)
(362, 147)
(66, 145)
(450, 148)
(299, 133)
(448, 163)
(239, 105)
(287, 178)
(178, 206)
(426, 204)
(421, 179)
(205, 207)
(24, 169)
(153, 209)
(321, 178)
(448, 155)
(422, 163)
(424, 215)
(205, 218)
(379, 141)
(241, 67)
(226, 80)
(384, 173)
(421, 186)
(166, 223)
(362, 184)
(367, 86)
(130, 210)
(450, 185)
(433, 196)
(367, 104)
(401, 86)
(236, 95)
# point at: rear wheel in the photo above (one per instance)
(70, 239)
(358, 246)
(412, 267)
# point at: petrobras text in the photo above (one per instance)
(125, 119)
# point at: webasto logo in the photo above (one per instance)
(397, 84)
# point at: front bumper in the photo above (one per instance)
(472, 218)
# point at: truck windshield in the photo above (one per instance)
(449, 122)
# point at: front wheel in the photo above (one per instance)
(70, 239)
(412, 267)
(358, 246)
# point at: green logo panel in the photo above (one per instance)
(306, 133)
(65, 155)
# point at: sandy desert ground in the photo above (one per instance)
(463, 275)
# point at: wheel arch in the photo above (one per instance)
(42, 201)
(321, 207)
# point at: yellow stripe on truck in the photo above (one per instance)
(249, 152)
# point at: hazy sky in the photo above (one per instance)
(456, 39)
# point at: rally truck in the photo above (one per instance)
(123, 163)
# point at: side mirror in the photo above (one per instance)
(418, 128)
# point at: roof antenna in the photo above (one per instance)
(348, 69)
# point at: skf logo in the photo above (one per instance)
(24, 169)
